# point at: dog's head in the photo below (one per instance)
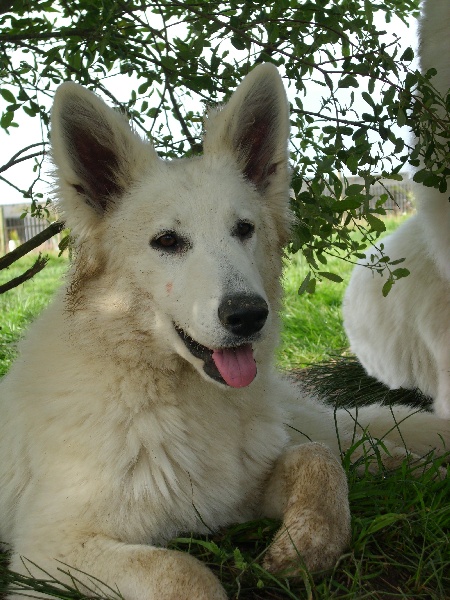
(190, 248)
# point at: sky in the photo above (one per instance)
(29, 132)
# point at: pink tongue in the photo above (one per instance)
(236, 365)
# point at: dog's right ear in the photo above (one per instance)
(95, 151)
(253, 127)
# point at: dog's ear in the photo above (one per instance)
(254, 127)
(93, 147)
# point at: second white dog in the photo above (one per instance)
(404, 339)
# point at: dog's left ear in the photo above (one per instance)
(96, 153)
(254, 127)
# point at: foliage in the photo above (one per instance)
(312, 330)
(177, 57)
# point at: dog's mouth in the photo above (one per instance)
(235, 367)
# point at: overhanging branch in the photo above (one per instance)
(31, 244)
(38, 265)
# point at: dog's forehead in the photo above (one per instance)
(195, 188)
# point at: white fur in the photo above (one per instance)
(404, 339)
(113, 438)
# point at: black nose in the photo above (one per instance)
(243, 314)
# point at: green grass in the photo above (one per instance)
(312, 323)
(400, 545)
(21, 305)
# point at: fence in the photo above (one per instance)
(401, 193)
(15, 231)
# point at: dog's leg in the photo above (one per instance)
(135, 571)
(308, 490)
(404, 431)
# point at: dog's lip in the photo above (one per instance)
(206, 354)
(203, 353)
(197, 349)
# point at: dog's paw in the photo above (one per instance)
(180, 576)
(312, 487)
(309, 540)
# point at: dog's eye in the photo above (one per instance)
(167, 241)
(244, 230)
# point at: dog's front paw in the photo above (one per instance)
(316, 514)
(307, 539)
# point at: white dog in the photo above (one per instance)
(404, 339)
(145, 402)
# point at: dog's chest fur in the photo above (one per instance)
(172, 452)
(203, 460)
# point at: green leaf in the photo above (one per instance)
(387, 287)
(401, 117)
(169, 63)
(8, 96)
(375, 223)
(382, 200)
(399, 273)
(354, 188)
(6, 120)
(308, 285)
(352, 163)
(143, 87)
(428, 178)
(238, 43)
(348, 81)
(347, 204)
(394, 176)
(359, 133)
(407, 55)
(31, 112)
(331, 276)
(304, 284)
(368, 98)
(410, 80)
(64, 244)
(239, 560)
(311, 286)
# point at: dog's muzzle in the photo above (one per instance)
(242, 315)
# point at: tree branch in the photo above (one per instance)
(11, 162)
(31, 244)
(38, 265)
(196, 147)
